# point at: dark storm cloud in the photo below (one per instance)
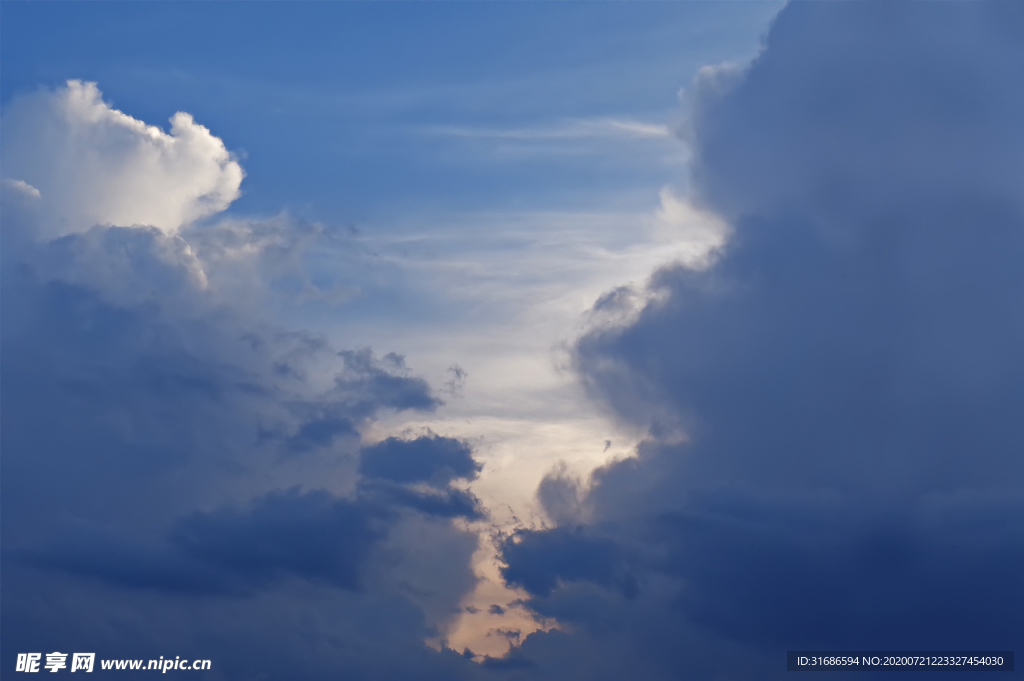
(834, 408)
(318, 432)
(447, 502)
(148, 434)
(428, 458)
(135, 564)
(537, 560)
(313, 535)
(310, 535)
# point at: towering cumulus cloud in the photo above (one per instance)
(835, 452)
(184, 476)
(91, 164)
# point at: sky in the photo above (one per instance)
(511, 340)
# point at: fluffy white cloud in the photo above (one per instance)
(92, 164)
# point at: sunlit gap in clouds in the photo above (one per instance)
(486, 306)
(524, 286)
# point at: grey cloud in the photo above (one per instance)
(538, 560)
(319, 432)
(311, 535)
(428, 458)
(151, 444)
(446, 502)
(385, 380)
(559, 496)
(120, 561)
(848, 377)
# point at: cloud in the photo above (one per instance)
(591, 128)
(538, 560)
(429, 458)
(446, 502)
(129, 265)
(832, 406)
(384, 380)
(180, 471)
(91, 164)
(309, 534)
(700, 234)
(23, 188)
(157, 461)
(559, 495)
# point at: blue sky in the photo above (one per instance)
(334, 105)
(511, 340)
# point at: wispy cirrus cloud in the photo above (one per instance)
(574, 129)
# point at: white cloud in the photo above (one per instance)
(590, 128)
(91, 164)
(699, 234)
(22, 187)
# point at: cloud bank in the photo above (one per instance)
(186, 476)
(833, 407)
